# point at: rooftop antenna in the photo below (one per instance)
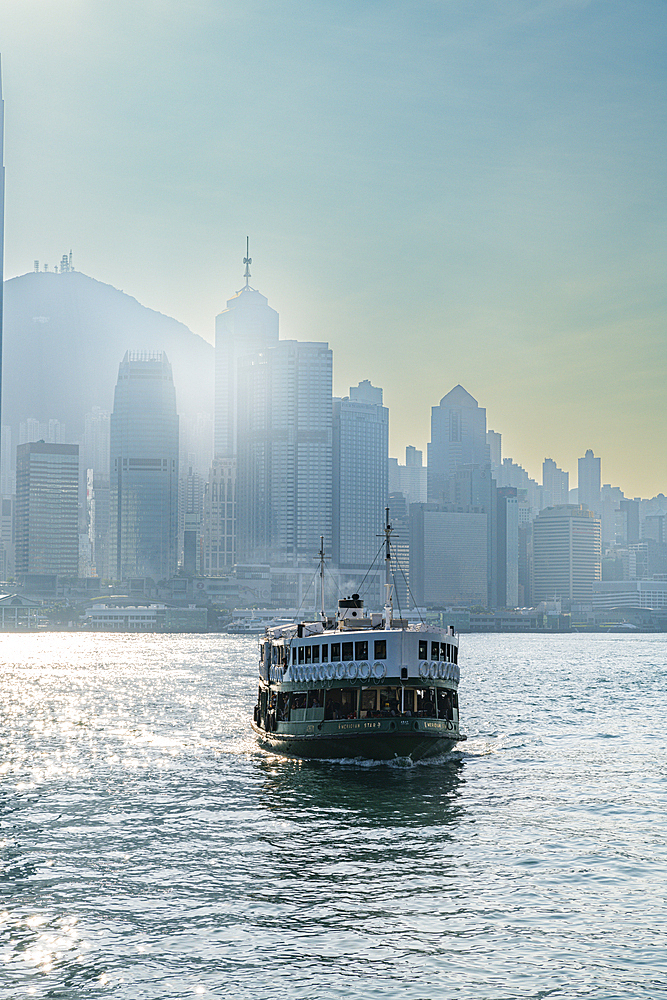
(247, 260)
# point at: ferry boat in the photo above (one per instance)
(358, 685)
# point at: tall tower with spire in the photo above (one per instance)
(247, 326)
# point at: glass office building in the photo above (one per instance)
(144, 469)
(47, 513)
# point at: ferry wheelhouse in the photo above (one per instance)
(358, 685)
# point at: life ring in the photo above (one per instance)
(442, 670)
(351, 671)
(330, 671)
(320, 672)
(364, 671)
(433, 670)
(423, 670)
(340, 671)
(379, 671)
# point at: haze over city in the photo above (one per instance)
(446, 193)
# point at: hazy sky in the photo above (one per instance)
(446, 191)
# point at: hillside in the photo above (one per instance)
(64, 337)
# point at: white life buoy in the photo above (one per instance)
(364, 671)
(340, 671)
(379, 671)
(320, 671)
(433, 670)
(442, 668)
(329, 671)
(351, 671)
(423, 670)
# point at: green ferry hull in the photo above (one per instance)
(376, 739)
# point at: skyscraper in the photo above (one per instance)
(360, 487)
(284, 488)
(555, 484)
(47, 509)
(2, 224)
(588, 481)
(144, 469)
(567, 553)
(247, 326)
(458, 437)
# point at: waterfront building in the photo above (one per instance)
(507, 553)
(566, 553)
(47, 510)
(448, 556)
(144, 469)
(458, 437)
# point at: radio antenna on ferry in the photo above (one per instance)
(388, 609)
(321, 557)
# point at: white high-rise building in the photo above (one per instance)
(567, 553)
(360, 483)
(284, 435)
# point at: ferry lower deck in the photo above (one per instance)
(380, 722)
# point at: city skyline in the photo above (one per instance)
(443, 193)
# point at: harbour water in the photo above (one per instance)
(150, 850)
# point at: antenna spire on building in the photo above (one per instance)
(247, 260)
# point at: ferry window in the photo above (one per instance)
(341, 703)
(347, 650)
(445, 704)
(300, 654)
(325, 651)
(294, 655)
(282, 710)
(380, 649)
(446, 647)
(425, 702)
(308, 649)
(335, 652)
(435, 650)
(315, 699)
(368, 706)
(390, 701)
(361, 650)
(316, 654)
(455, 651)
(423, 649)
(299, 700)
